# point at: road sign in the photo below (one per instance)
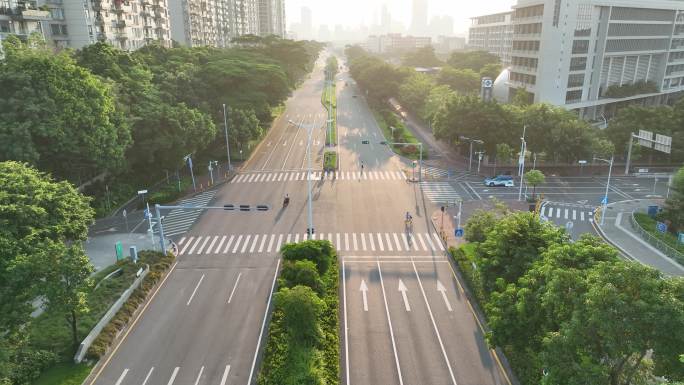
(661, 227)
(124, 213)
(142, 192)
(652, 211)
(681, 238)
(646, 138)
(147, 213)
(604, 201)
(458, 233)
(663, 143)
(118, 247)
(582, 162)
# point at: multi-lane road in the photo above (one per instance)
(404, 316)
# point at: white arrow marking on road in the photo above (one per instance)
(364, 289)
(285, 143)
(442, 289)
(402, 289)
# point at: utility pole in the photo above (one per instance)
(470, 162)
(225, 126)
(188, 159)
(605, 198)
(521, 161)
(480, 154)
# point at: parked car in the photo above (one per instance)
(501, 180)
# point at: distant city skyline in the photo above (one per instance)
(351, 14)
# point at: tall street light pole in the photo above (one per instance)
(188, 159)
(521, 161)
(470, 162)
(310, 229)
(605, 198)
(225, 127)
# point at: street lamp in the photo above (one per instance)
(605, 198)
(480, 154)
(470, 163)
(148, 214)
(521, 161)
(188, 160)
(212, 163)
(310, 229)
(225, 125)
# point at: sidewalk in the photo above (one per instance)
(617, 230)
(100, 249)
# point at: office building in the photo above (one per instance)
(446, 44)
(419, 18)
(593, 56)
(494, 34)
(395, 42)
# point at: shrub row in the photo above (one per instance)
(158, 263)
(330, 160)
(303, 339)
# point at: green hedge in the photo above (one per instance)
(310, 268)
(649, 224)
(158, 263)
(330, 92)
(386, 119)
(330, 161)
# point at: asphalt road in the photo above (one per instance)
(205, 323)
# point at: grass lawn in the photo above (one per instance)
(649, 224)
(402, 133)
(64, 374)
(329, 92)
(330, 160)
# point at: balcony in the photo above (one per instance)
(25, 14)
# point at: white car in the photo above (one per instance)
(501, 180)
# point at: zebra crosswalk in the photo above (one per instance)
(439, 192)
(344, 243)
(435, 172)
(178, 221)
(289, 176)
(566, 212)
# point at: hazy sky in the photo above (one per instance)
(355, 12)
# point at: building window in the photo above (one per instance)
(556, 12)
(573, 96)
(575, 80)
(643, 14)
(623, 45)
(580, 46)
(578, 63)
(4, 26)
(54, 29)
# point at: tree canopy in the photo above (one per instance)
(474, 60)
(421, 57)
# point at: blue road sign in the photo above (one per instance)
(652, 211)
(604, 201)
(662, 227)
(458, 233)
(147, 213)
(681, 238)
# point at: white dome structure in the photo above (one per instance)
(500, 88)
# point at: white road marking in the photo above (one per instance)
(181, 241)
(434, 325)
(364, 289)
(363, 241)
(432, 245)
(230, 298)
(346, 325)
(218, 248)
(438, 241)
(388, 242)
(263, 242)
(246, 243)
(225, 375)
(187, 244)
(147, 377)
(173, 376)
(403, 289)
(199, 251)
(121, 378)
(330, 238)
(237, 244)
(195, 245)
(389, 322)
(270, 243)
(346, 242)
(195, 291)
(261, 333)
(289, 239)
(199, 375)
(396, 242)
(280, 242)
(405, 239)
(268, 178)
(296, 240)
(442, 289)
(337, 244)
(211, 245)
(380, 242)
(420, 238)
(230, 240)
(254, 243)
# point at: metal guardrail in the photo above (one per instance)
(655, 242)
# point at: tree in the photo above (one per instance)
(421, 57)
(661, 120)
(414, 91)
(57, 115)
(674, 205)
(461, 80)
(301, 307)
(243, 126)
(302, 273)
(491, 70)
(474, 60)
(320, 252)
(504, 154)
(534, 178)
(436, 98)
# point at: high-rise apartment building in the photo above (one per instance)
(494, 34)
(419, 18)
(272, 17)
(21, 19)
(593, 56)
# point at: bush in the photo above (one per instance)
(301, 273)
(318, 252)
(329, 161)
(409, 149)
(301, 308)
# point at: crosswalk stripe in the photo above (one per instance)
(263, 242)
(413, 242)
(346, 242)
(389, 243)
(372, 243)
(337, 244)
(270, 243)
(354, 239)
(254, 243)
(190, 242)
(268, 177)
(363, 241)
(251, 178)
(438, 241)
(218, 247)
(330, 238)
(280, 242)
(296, 240)
(288, 239)
(181, 241)
(292, 176)
(380, 245)
(246, 243)
(199, 251)
(230, 241)
(406, 245)
(195, 245)
(280, 176)
(396, 241)
(432, 246)
(237, 244)
(420, 238)
(211, 245)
